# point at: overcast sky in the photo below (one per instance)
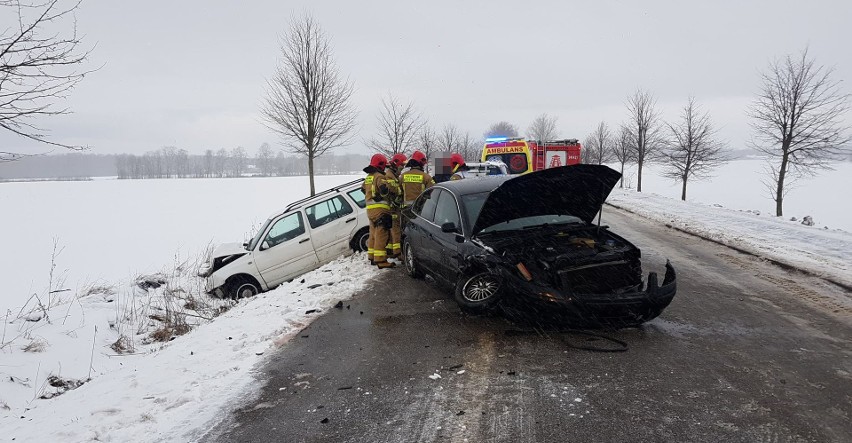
(192, 74)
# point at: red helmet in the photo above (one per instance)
(456, 159)
(419, 157)
(379, 161)
(398, 160)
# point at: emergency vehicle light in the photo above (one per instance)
(496, 139)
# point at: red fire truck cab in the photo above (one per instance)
(522, 156)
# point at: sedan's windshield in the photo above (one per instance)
(473, 205)
(538, 221)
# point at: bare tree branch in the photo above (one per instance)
(38, 68)
(598, 145)
(693, 149)
(622, 149)
(543, 128)
(644, 128)
(307, 102)
(427, 142)
(399, 125)
(797, 119)
(502, 129)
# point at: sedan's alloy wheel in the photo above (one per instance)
(480, 287)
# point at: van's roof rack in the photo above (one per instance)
(298, 203)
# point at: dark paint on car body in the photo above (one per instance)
(528, 244)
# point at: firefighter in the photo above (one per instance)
(393, 172)
(459, 167)
(379, 192)
(414, 181)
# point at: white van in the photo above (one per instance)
(305, 236)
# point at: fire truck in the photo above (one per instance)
(522, 156)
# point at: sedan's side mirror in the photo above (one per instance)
(449, 227)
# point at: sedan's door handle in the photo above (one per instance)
(303, 240)
(350, 220)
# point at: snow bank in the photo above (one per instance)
(167, 392)
(821, 251)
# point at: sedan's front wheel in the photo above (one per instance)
(412, 267)
(479, 292)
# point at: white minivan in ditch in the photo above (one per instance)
(305, 236)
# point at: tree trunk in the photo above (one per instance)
(683, 190)
(779, 190)
(622, 176)
(311, 172)
(639, 177)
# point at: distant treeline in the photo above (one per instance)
(176, 163)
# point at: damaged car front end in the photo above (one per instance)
(529, 245)
(580, 276)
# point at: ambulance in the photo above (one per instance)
(522, 156)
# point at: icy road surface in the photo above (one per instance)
(746, 352)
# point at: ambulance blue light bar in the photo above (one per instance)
(496, 139)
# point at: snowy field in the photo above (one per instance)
(112, 233)
(115, 230)
(737, 185)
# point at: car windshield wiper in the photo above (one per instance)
(550, 225)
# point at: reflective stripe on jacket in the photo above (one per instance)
(413, 182)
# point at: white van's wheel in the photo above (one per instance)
(359, 241)
(242, 287)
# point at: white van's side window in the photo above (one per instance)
(327, 211)
(285, 229)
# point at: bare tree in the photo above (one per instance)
(38, 67)
(797, 117)
(221, 162)
(265, 160)
(208, 163)
(622, 149)
(598, 145)
(693, 150)
(644, 125)
(449, 139)
(543, 128)
(307, 102)
(470, 148)
(427, 142)
(238, 161)
(502, 129)
(399, 124)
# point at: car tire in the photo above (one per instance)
(359, 241)
(479, 292)
(412, 267)
(242, 287)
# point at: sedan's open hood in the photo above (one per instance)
(578, 190)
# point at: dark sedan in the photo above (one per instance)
(529, 242)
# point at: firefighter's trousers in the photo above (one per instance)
(381, 222)
(395, 244)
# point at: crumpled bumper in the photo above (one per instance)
(539, 302)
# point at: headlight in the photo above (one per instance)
(204, 270)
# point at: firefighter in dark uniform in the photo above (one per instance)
(393, 171)
(379, 192)
(459, 167)
(414, 181)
